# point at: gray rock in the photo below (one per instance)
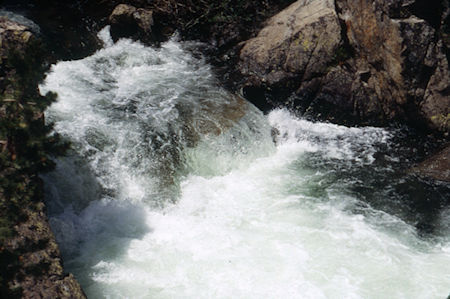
(297, 42)
(395, 64)
(20, 20)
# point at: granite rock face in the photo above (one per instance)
(297, 42)
(404, 59)
(379, 61)
(30, 261)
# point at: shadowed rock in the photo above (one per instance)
(129, 21)
(436, 166)
(30, 261)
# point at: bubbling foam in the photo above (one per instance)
(175, 189)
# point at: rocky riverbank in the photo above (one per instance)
(350, 62)
(361, 61)
(30, 260)
(370, 63)
(347, 62)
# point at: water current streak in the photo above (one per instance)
(176, 189)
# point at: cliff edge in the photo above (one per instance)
(30, 261)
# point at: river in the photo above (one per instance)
(175, 188)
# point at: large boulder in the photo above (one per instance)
(129, 21)
(373, 61)
(403, 60)
(297, 42)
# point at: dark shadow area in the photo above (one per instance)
(387, 184)
(66, 35)
(90, 225)
(429, 10)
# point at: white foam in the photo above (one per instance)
(105, 36)
(244, 222)
(239, 236)
(333, 141)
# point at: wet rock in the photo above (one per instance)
(436, 166)
(297, 42)
(129, 21)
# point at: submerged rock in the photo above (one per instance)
(436, 166)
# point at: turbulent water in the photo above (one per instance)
(177, 189)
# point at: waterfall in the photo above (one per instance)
(175, 188)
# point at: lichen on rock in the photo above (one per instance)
(373, 61)
(297, 42)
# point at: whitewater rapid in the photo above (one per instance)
(177, 189)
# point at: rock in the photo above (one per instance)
(129, 21)
(19, 19)
(406, 68)
(297, 42)
(40, 273)
(30, 261)
(13, 37)
(436, 103)
(397, 55)
(377, 43)
(12, 34)
(436, 166)
(121, 12)
(387, 62)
